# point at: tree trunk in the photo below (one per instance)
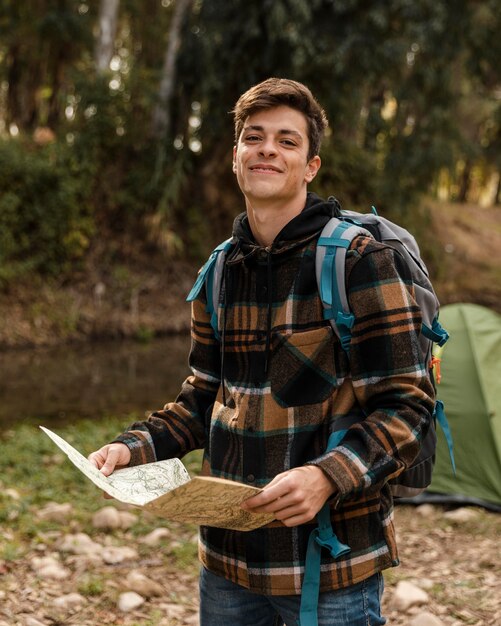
(108, 18)
(161, 114)
(497, 197)
(464, 183)
(23, 81)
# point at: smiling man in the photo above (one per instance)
(269, 388)
(273, 167)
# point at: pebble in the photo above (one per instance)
(69, 601)
(29, 620)
(426, 583)
(155, 537)
(80, 543)
(12, 493)
(54, 572)
(426, 619)
(407, 595)
(107, 518)
(426, 510)
(127, 519)
(116, 554)
(143, 585)
(49, 567)
(129, 601)
(55, 512)
(464, 514)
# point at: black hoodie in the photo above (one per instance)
(298, 232)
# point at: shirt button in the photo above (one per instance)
(251, 478)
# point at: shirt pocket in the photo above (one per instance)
(303, 367)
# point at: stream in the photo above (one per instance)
(91, 381)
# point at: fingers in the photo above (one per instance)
(112, 460)
(291, 509)
(274, 490)
(294, 497)
(97, 458)
(109, 457)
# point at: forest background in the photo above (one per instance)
(116, 139)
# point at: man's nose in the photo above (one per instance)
(267, 148)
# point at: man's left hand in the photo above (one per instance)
(295, 496)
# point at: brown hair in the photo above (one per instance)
(275, 92)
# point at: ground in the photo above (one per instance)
(457, 564)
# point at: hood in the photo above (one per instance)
(315, 215)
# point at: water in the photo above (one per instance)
(90, 381)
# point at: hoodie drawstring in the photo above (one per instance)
(224, 285)
(269, 280)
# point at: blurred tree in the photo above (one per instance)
(161, 112)
(137, 95)
(105, 41)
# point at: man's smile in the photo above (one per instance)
(265, 168)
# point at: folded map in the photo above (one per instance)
(166, 489)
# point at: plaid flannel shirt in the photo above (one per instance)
(288, 384)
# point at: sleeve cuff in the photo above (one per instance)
(140, 444)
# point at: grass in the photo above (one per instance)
(91, 586)
(34, 472)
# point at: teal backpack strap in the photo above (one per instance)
(322, 537)
(436, 333)
(439, 414)
(211, 275)
(330, 263)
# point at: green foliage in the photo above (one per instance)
(56, 478)
(185, 555)
(410, 89)
(45, 223)
(91, 586)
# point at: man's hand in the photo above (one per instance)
(110, 457)
(295, 496)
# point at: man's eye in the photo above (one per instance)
(252, 138)
(288, 142)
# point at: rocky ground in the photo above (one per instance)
(106, 572)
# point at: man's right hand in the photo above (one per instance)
(110, 457)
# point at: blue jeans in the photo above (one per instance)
(223, 603)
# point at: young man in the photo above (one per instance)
(264, 398)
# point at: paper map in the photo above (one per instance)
(166, 489)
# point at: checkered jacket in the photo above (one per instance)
(288, 384)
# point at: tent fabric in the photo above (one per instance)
(471, 392)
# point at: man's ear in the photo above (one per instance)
(234, 167)
(312, 168)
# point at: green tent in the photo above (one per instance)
(471, 392)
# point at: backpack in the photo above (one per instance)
(330, 263)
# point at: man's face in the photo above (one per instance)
(271, 158)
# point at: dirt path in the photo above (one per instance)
(455, 562)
